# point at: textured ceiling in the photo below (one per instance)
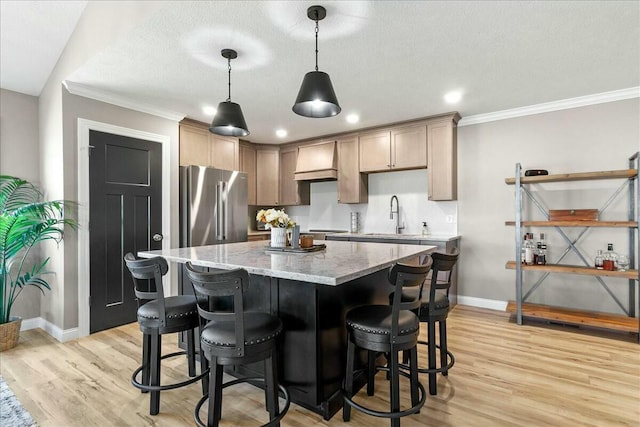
(32, 37)
(388, 60)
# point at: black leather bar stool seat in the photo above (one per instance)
(388, 329)
(159, 315)
(434, 308)
(235, 337)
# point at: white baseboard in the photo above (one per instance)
(71, 334)
(53, 330)
(491, 304)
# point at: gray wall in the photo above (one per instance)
(19, 156)
(597, 137)
(75, 107)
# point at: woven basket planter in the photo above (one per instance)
(10, 333)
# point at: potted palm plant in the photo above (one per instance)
(25, 221)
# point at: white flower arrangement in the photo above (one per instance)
(275, 218)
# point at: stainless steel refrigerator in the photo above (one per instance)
(213, 206)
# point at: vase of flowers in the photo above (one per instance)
(278, 221)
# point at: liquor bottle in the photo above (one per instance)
(529, 250)
(599, 260)
(542, 251)
(610, 258)
(523, 249)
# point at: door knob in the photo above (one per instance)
(157, 237)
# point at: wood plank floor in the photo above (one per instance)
(505, 375)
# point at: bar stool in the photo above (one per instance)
(157, 316)
(389, 329)
(235, 337)
(434, 308)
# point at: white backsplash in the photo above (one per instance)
(410, 187)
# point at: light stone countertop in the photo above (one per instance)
(430, 237)
(339, 263)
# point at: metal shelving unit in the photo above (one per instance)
(627, 322)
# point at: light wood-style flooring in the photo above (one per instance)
(505, 375)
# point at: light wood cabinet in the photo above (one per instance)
(292, 192)
(394, 149)
(200, 147)
(267, 176)
(409, 147)
(352, 185)
(442, 162)
(248, 165)
(194, 146)
(225, 152)
(375, 151)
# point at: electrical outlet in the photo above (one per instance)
(449, 219)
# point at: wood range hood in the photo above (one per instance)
(317, 162)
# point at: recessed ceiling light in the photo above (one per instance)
(209, 111)
(281, 133)
(353, 118)
(453, 96)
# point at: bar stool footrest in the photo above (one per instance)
(273, 422)
(414, 409)
(146, 388)
(451, 361)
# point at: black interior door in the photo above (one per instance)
(125, 213)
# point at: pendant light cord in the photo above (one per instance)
(316, 40)
(229, 64)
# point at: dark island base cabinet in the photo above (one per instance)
(313, 347)
(443, 246)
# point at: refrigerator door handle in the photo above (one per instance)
(219, 210)
(221, 218)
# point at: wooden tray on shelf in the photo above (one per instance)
(314, 248)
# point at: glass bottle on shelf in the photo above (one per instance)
(610, 258)
(542, 251)
(529, 249)
(598, 262)
(523, 249)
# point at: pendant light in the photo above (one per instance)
(316, 97)
(229, 120)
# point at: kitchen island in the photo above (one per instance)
(311, 293)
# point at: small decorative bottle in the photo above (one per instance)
(599, 260)
(610, 258)
(425, 228)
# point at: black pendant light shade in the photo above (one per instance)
(316, 97)
(229, 120)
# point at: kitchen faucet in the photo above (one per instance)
(397, 212)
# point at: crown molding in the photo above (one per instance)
(563, 104)
(110, 98)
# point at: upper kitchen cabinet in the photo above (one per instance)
(442, 162)
(292, 192)
(352, 185)
(375, 151)
(194, 146)
(225, 152)
(267, 176)
(409, 147)
(394, 149)
(248, 165)
(200, 147)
